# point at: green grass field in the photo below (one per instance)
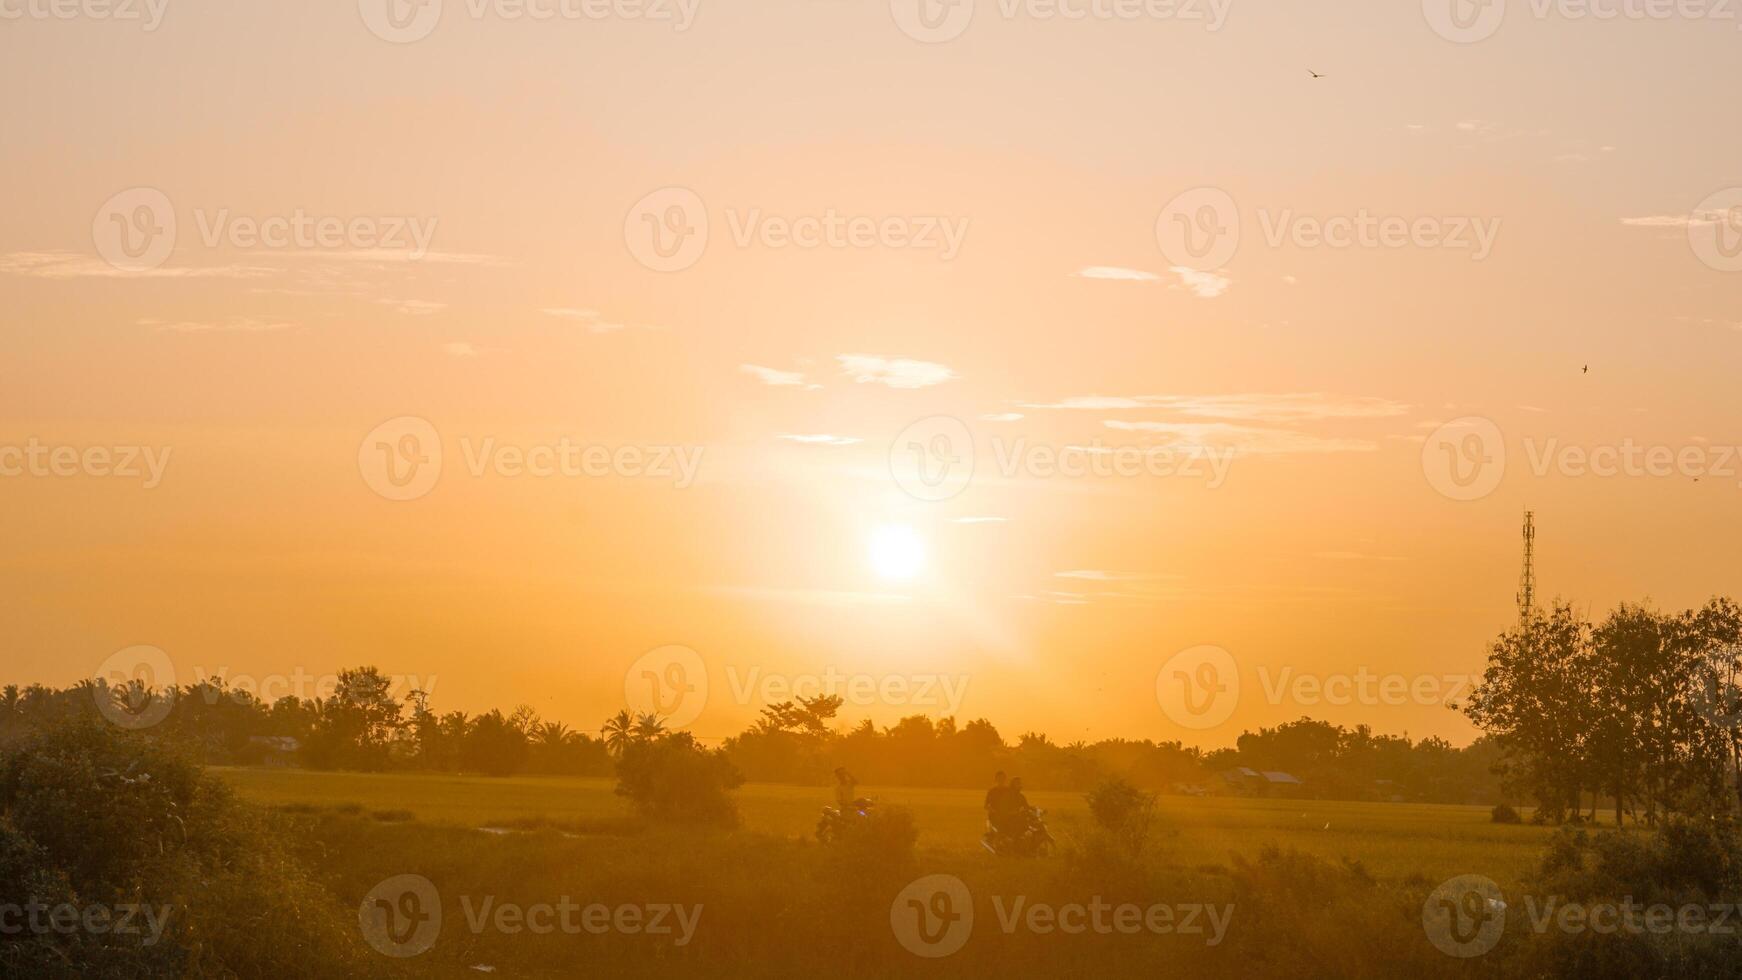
(1393, 840)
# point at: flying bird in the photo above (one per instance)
(1587, 370)
(1314, 73)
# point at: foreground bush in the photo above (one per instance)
(98, 819)
(674, 779)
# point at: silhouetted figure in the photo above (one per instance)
(844, 786)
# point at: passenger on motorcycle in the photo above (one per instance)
(844, 786)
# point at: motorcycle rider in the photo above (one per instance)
(844, 786)
(995, 796)
(1017, 807)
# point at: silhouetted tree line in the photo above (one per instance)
(1640, 711)
(794, 742)
(362, 726)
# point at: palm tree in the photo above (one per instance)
(648, 728)
(553, 734)
(618, 732)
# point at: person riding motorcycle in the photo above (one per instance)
(844, 786)
(996, 797)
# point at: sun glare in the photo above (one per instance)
(896, 551)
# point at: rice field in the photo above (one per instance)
(1392, 840)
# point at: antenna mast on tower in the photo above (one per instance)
(1527, 578)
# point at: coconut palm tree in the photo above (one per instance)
(553, 734)
(648, 728)
(618, 732)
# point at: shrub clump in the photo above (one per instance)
(1504, 813)
(1686, 863)
(674, 779)
(105, 821)
(1123, 812)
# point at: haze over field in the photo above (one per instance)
(740, 282)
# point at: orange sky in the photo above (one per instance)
(988, 210)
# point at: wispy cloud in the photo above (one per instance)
(1242, 439)
(1116, 273)
(1691, 219)
(397, 255)
(820, 439)
(1002, 417)
(1353, 556)
(1245, 407)
(239, 324)
(777, 378)
(593, 320)
(981, 520)
(72, 265)
(1102, 575)
(895, 372)
(1204, 285)
(414, 307)
(461, 348)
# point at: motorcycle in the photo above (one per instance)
(1025, 836)
(834, 821)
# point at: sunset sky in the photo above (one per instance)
(1010, 182)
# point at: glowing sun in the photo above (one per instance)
(896, 551)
